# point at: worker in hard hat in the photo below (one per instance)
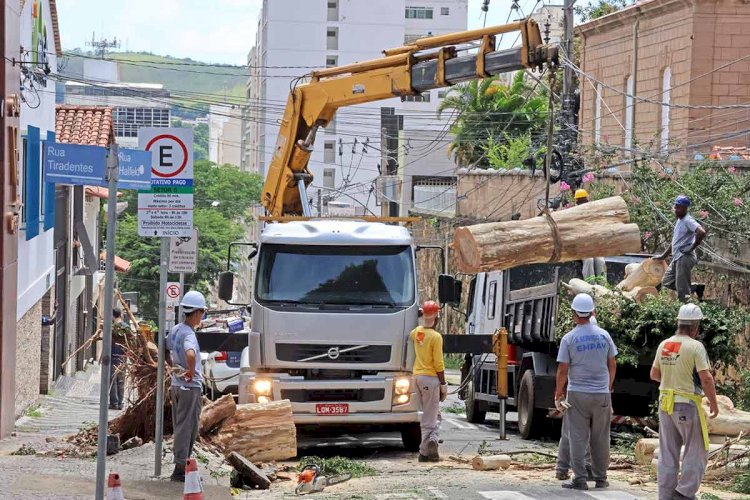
(688, 234)
(186, 392)
(429, 379)
(682, 369)
(586, 372)
(594, 266)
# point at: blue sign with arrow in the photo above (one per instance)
(75, 164)
(135, 169)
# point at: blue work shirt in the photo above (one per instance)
(180, 340)
(683, 236)
(586, 348)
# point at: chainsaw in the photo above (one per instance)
(311, 481)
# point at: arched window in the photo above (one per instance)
(629, 110)
(598, 114)
(666, 85)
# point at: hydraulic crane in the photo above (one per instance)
(427, 63)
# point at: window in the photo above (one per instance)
(127, 121)
(411, 38)
(492, 303)
(333, 10)
(329, 178)
(666, 86)
(419, 13)
(332, 61)
(598, 114)
(442, 94)
(332, 39)
(445, 11)
(329, 152)
(418, 98)
(629, 88)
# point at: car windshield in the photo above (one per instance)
(362, 275)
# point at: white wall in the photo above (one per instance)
(293, 33)
(36, 272)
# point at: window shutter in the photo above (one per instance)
(49, 196)
(32, 183)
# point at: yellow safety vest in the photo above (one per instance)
(667, 406)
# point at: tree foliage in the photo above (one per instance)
(599, 8)
(638, 329)
(218, 225)
(488, 112)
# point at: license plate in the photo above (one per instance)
(332, 409)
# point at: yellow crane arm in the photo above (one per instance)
(426, 64)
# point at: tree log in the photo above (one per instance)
(216, 412)
(492, 462)
(630, 268)
(640, 293)
(597, 229)
(730, 421)
(251, 474)
(260, 432)
(647, 273)
(645, 449)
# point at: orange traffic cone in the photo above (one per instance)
(114, 488)
(193, 487)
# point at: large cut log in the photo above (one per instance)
(491, 462)
(647, 273)
(730, 421)
(216, 412)
(645, 449)
(260, 432)
(638, 294)
(597, 229)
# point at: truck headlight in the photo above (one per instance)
(262, 387)
(402, 399)
(402, 385)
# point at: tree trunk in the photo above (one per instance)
(597, 229)
(730, 421)
(260, 432)
(216, 412)
(492, 462)
(645, 449)
(576, 286)
(647, 273)
(640, 293)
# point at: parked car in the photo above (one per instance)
(222, 370)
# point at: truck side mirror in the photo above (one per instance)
(226, 286)
(449, 290)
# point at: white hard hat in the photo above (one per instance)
(583, 303)
(593, 321)
(690, 312)
(193, 300)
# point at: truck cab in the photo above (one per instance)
(333, 306)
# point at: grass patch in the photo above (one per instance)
(741, 483)
(34, 411)
(338, 465)
(453, 361)
(456, 408)
(25, 449)
(709, 496)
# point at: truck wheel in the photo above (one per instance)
(473, 413)
(530, 420)
(411, 435)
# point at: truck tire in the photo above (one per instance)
(411, 435)
(530, 420)
(473, 413)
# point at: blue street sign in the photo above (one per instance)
(135, 169)
(75, 164)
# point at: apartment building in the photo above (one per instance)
(347, 158)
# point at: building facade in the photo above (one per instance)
(346, 159)
(651, 67)
(225, 135)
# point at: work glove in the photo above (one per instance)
(562, 405)
(443, 392)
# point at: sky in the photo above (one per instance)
(223, 33)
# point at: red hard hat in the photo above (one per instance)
(430, 307)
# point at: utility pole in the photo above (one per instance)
(569, 134)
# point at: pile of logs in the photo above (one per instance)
(639, 283)
(598, 229)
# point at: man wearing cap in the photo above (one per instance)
(586, 365)
(681, 367)
(429, 377)
(186, 392)
(687, 236)
(594, 266)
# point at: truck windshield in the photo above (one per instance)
(363, 275)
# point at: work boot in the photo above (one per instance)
(432, 450)
(601, 484)
(562, 475)
(178, 475)
(425, 458)
(679, 496)
(576, 484)
(589, 474)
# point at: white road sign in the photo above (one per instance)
(167, 209)
(173, 294)
(183, 253)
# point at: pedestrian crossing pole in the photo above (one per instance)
(159, 424)
(109, 291)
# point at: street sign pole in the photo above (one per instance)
(109, 278)
(182, 293)
(159, 434)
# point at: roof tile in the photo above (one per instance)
(88, 125)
